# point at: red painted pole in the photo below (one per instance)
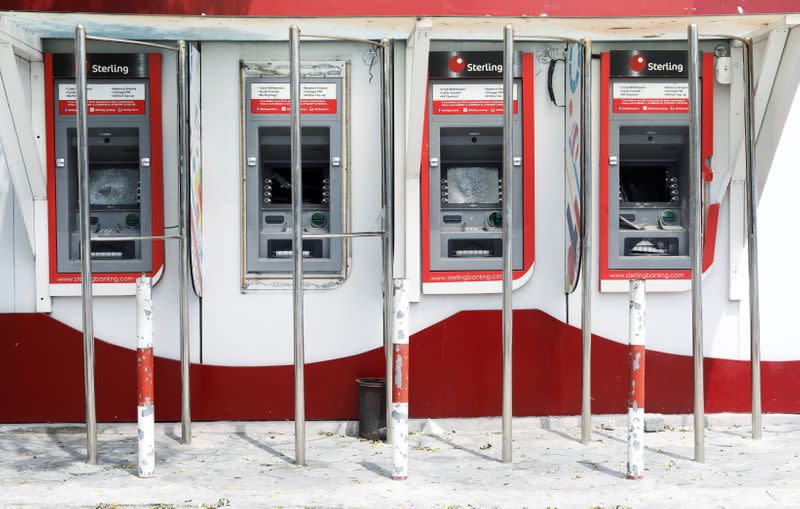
(636, 394)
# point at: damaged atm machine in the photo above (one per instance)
(645, 162)
(125, 169)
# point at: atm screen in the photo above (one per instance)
(113, 187)
(315, 185)
(473, 185)
(644, 183)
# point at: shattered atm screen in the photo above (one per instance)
(113, 187)
(473, 185)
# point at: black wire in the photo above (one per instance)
(550, 73)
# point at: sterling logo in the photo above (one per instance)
(666, 66)
(457, 64)
(637, 63)
(113, 68)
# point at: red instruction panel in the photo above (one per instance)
(651, 98)
(272, 98)
(104, 99)
(469, 99)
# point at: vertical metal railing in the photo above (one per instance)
(752, 238)
(82, 122)
(183, 258)
(696, 190)
(387, 135)
(386, 233)
(586, 244)
(87, 304)
(508, 254)
(297, 248)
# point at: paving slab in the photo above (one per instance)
(251, 465)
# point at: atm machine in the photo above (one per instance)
(125, 182)
(463, 185)
(646, 159)
(267, 239)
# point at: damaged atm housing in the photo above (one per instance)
(267, 168)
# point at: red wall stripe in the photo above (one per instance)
(455, 372)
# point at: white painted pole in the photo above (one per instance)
(636, 352)
(144, 364)
(399, 427)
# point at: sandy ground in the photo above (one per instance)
(251, 465)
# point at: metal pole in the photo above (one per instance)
(387, 197)
(145, 409)
(586, 244)
(297, 248)
(183, 259)
(636, 354)
(508, 199)
(752, 238)
(82, 122)
(696, 187)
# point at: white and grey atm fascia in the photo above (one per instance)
(465, 162)
(267, 235)
(125, 182)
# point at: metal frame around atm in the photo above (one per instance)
(85, 243)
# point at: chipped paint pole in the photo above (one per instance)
(636, 394)
(399, 426)
(144, 368)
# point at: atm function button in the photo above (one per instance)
(336, 161)
(60, 162)
(517, 161)
(318, 219)
(145, 162)
(495, 219)
(251, 161)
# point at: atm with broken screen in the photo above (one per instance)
(267, 167)
(648, 160)
(124, 164)
(465, 162)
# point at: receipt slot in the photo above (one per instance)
(267, 167)
(125, 182)
(464, 181)
(647, 132)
